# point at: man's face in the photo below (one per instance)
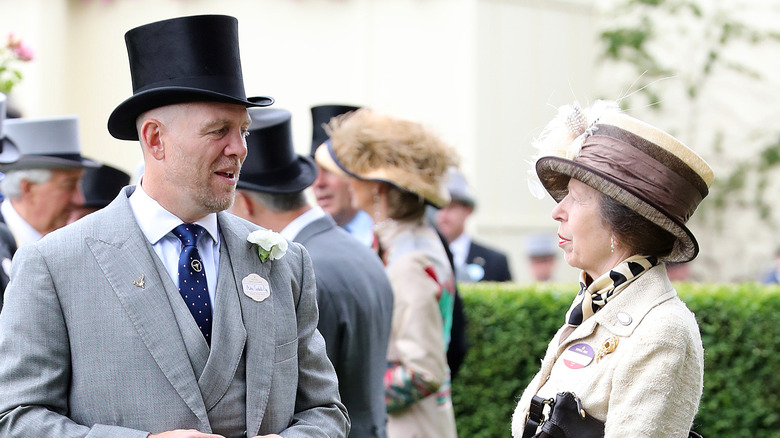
(51, 203)
(333, 196)
(451, 219)
(205, 145)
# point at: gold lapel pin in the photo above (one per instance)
(140, 282)
(609, 345)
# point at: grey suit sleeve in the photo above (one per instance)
(35, 370)
(318, 408)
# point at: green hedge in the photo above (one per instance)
(511, 324)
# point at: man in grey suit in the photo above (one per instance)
(354, 295)
(9, 153)
(155, 316)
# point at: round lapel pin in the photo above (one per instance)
(578, 356)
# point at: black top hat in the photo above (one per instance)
(321, 115)
(187, 59)
(271, 164)
(102, 184)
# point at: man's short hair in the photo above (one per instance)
(279, 202)
(11, 184)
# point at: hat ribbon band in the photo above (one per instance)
(642, 174)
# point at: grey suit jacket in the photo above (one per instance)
(7, 250)
(356, 310)
(87, 351)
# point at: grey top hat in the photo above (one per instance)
(458, 187)
(46, 143)
(8, 150)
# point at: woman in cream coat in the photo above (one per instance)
(397, 167)
(629, 349)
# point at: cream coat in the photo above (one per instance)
(651, 384)
(417, 337)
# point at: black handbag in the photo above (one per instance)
(566, 419)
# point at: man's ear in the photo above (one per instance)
(150, 134)
(25, 186)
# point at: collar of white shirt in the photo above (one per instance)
(155, 221)
(293, 228)
(460, 249)
(23, 232)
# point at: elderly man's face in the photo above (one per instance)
(333, 195)
(204, 147)
(451, 219)
(51, 203)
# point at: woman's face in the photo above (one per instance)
(584, 237)
(362, 194)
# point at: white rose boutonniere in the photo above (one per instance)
(270, 245)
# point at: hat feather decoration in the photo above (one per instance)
(564, 135)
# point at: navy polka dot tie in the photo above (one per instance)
(192, 277)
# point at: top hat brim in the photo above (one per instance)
(9, 152)
(268, 183)
(65, 162)
(555, 172)
(122, 122)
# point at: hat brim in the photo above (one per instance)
(122, 121)
(325, 157)
(9, 152)
(555, 172)
(48, 162)
(306, 177)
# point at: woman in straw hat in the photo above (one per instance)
(629, 352)
(397, 167)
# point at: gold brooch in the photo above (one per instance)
(607, 347)
(140, 282)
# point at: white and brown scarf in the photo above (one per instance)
(593, 297)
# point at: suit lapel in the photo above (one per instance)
(258, 318)
(229, 336)
(128, 262)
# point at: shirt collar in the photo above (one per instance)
(296, 225)
(460, 248)
(155, 221)
(23, 232)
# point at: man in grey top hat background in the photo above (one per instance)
(354, 295)
(9, 153)
(41, 188)
(473, 261)
(156, 315)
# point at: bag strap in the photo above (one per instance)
(535, 416)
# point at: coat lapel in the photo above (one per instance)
(229, 336)
(258, 318)
(127, 261)
(317, 226)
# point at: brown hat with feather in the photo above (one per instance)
(639, 165)
(371, 146)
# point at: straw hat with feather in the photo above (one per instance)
(371, 146)
(639, 165)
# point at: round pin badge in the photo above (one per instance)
(578, 356)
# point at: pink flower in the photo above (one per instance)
(22, 51)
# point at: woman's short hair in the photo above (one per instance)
(631, 229)
(403, 205)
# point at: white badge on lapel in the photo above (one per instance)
(7, 266)
(256, 287)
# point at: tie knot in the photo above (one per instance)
(188, 234)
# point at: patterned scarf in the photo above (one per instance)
(605, 288)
